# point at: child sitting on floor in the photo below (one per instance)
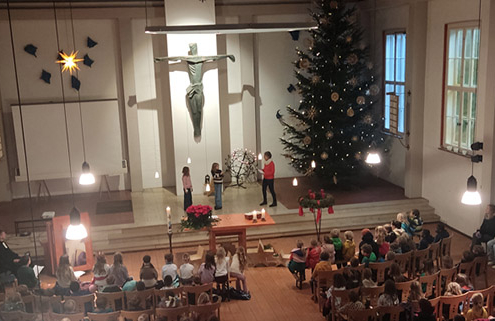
(297, 263)
(477, 311)
(313, 256)
(337, 243)
(349, 247)
(186, 270)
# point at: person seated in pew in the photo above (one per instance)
(477, 311)
(102, 305)
(111, 286)
(25, 273)
(426, 240)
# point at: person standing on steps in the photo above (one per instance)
(217, 174)
(268, 172)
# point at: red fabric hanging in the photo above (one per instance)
(318, 216)
(330, 210)
(301, 212)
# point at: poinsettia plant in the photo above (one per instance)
(198, 217)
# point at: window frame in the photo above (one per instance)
(399, 134)
(474, 24)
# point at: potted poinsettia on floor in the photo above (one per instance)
(198, 217)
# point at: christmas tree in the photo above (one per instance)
(336, 124)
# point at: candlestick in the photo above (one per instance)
(169, 220)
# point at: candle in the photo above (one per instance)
(169, 219)
(262, 213)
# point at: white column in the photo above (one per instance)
(206, 150)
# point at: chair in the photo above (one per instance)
(146, 298)
(112, 316)
(363, 315)
(480, 264)
(394, 312)
(418, 257)
(453, 303)
(338, 299)
(158, 294)
(445, 246)
(372, 294)
(17, 316)
(431, 282)
(56, 303)
(323, 282)
(197, 290)
(405, 289)
(172, 314)
(71, 317)
(380, 269)
(445, 276)
(200, 254)
(204, 311)
(85, 303)
(435, 253)
(134, 315)
(29, 303)
(435, 302)
(404, 261)
(259, 256)
(115, 299)
(359, 268)
(466, 268)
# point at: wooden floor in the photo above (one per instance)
(274, 295)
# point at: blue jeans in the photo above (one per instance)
(218, 195)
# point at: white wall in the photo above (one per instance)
(444, 173)
(98, 82)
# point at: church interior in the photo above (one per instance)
(198, 160)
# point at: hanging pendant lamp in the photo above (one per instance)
(76, 230)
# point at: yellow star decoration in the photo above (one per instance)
(69, 61)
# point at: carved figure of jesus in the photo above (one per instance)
(195, 96)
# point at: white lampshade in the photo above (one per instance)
(471, 198)
(86, 178)
(189, 160)
(373, 158)
(313, 164)
(294, 182)
(76, 232)
(471, 195)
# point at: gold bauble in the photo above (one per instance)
(329, 134)
(324, 156)
(374, 90)
(312, 113)
(352, 59)
(353, 81)
(348, 39)
(307, 140)
(335, 96)
(360, 100)
(350, 112)
(304, 63)
(315, 79)
(354, 138)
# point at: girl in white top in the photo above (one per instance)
(100, 272)
(222, 263)
(237, 269)
(186, 270)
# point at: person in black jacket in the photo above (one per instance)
(9, 260)
(426, 239)
(487, 230)
(442, 233)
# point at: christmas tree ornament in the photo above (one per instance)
(304, 63)
(335, 59)
(367, 119)
(350, 112)
(369, 65)
(348, 39)
(329, 134)
(374, 90)
(312, 113)
(355, 138)
(335, 179)
(360, 100)
(357, 156)
(307, 140)
(352, 59)
(334, 4)
(324, 156)
(353, 81)
(334, 96)
(315, 79)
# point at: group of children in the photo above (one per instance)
(217, 175)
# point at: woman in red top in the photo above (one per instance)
(268, 178)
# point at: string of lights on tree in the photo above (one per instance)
(336, 124)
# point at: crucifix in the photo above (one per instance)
(195, 96)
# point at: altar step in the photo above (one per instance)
(351, 216)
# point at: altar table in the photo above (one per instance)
(235, 224)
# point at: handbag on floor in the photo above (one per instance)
(239, 295)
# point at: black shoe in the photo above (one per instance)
(217, 208)
(262, 203)
(273, 204)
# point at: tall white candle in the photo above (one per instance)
(262, 213)
(169, 219)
